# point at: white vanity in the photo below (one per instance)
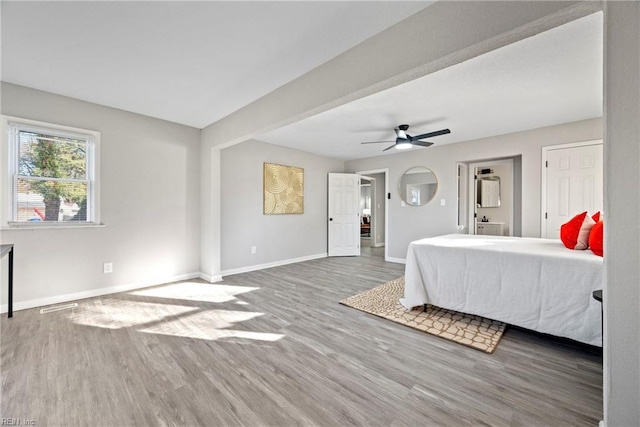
(491, 228)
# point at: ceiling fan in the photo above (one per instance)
(404, 140)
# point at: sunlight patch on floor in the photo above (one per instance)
(164, 317)
(210, 325)
(125, 314)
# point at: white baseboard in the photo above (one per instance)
(211, 279)
(271, 264)
(40, 302)
(396, 260)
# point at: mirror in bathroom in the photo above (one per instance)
(488, 192)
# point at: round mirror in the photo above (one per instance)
(418, 186)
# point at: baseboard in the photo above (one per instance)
(396, 260)
(272, 264)
(378, 245)
(211, 279)
(40, 302)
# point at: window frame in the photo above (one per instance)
(11, 129)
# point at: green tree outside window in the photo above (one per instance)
(56, 168)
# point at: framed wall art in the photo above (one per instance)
(283, 189)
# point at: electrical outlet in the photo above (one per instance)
(443, 202)
(107, 267)
(253, 250)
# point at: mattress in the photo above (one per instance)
(533, 283)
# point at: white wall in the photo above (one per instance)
(621, 205)
(414, 222)
(150, 194)
(277, 238)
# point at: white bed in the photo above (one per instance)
(537, 284)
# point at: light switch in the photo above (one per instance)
(443, 202)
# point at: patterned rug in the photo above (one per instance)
(473, 331)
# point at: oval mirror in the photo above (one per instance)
(418, 186)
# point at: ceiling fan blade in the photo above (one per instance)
(423, 143)
(374, 142)
(431, 134)
(389, 148)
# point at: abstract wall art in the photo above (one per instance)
(283, 189)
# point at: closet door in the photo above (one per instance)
(573, 184)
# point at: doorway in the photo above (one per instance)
(348, 201)
(367, 215)
(375, 183)
(492, 197)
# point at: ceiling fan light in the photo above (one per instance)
(403, 145)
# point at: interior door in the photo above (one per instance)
(344, 214)
(573, 185)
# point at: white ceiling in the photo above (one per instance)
(551, 78)
(196, 62)
(187, 62)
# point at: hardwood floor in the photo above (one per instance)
(274, 347)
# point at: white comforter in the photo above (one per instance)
(537, 284)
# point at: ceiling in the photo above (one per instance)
(188, 62)
(552, 78)
(197, 62)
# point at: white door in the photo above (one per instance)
(344, 214)
(573, 185)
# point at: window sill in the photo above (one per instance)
(50, 226)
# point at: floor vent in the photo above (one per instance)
(58, 308)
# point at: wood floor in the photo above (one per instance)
(275, 348)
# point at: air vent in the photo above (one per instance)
(58, 308)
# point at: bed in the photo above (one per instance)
(533, 283)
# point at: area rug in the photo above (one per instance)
(473, 331)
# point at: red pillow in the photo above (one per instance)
(596, 216)
(575, 233)
(596, 242)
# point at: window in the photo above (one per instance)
(52, 175)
